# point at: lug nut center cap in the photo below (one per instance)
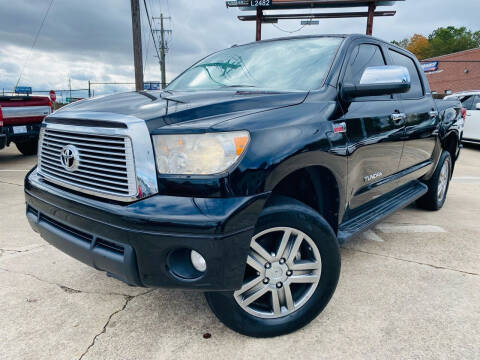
(277, 273)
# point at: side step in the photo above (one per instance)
(381, 208)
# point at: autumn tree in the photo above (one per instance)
(419, 46)
(442, 41)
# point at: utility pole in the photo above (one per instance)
(137, 44)
(163, 48)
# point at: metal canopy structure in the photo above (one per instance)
(260, 5)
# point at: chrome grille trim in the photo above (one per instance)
(114, 163)
(97, 179)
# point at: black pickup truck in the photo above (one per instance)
(245, 174)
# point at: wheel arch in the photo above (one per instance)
(451, 144)
(315, 186)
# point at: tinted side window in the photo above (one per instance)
(475, 102)
(363, 56)
(416, 91)
(467, 102)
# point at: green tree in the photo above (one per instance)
(447, 40)
(402, 43)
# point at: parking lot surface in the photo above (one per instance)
(409, 289)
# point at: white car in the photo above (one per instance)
(471, 102)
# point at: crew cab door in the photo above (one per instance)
(471, 130)
(421, 118)
(373, 129)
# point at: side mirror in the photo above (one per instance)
(477, 106)
(379, 80)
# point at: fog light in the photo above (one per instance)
(198, 261)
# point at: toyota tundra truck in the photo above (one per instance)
(242, 177)
(20, 119)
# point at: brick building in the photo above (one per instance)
(454, 72)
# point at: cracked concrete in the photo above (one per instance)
(408, 296)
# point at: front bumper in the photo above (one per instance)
(135, 242)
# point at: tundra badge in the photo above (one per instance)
(372, 177)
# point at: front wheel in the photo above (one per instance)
(291, 273)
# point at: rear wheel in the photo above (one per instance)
(438, 184)
(291, 273)
(28, 147)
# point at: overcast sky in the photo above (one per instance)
(91, 39)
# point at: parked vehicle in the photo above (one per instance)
(471, 102)
(242, 178)
(20, 119)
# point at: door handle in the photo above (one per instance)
(398, 118)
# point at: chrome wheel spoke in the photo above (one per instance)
(288, 297)
(255, 295)
(305, 265)
(249, 285)
(283, 245)
(306, 278)
(260, 250)
(255, 264)
(277, 309)
(294, 250)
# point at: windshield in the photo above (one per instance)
(283, 65)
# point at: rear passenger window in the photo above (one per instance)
(416, 91)
(475, 102)
(363, 56)
(467, 102)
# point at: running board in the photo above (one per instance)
(382, 207)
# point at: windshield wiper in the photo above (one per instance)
(232, 86)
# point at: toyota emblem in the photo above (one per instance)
(69, 157)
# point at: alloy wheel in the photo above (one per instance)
(443, 181)
(283, 270)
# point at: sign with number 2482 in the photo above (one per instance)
(258, 3)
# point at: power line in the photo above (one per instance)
(151, 29)
(35, 41)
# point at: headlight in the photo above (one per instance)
(199, 154)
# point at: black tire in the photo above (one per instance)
(431, 200)
(286, 212)
(28, 147)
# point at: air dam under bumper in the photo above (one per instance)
(135, 242)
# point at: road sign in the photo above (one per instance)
(309, 22)
(72, 99)
(430, 66)
(23, 90)
(260, 3)
(152, 86)
(52, 95)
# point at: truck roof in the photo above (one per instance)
(345, 36)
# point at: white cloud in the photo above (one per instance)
(91, 39)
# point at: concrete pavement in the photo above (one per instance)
(409, 289)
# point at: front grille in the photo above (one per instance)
(104, 167)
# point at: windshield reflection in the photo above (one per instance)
(282, 65)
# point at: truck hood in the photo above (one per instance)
(159, 108)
